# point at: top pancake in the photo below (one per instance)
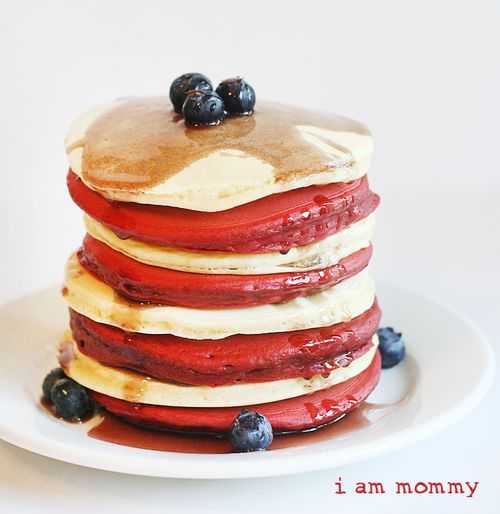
(139, 150)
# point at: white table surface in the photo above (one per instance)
(450, 270)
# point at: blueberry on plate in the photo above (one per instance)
(187, 82)
(250, 432)
(238, 96)
(71, 400)
(51, 378)
(391, 346)
(202, 108)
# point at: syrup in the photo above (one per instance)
(113, 430)
(134, 388)
(141, 142)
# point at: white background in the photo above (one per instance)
(423, 75)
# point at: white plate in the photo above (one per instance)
(448, 370)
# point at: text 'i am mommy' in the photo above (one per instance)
(424, 487)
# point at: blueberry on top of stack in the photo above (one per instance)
(192, 95)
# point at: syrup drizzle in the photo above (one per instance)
(141, 142)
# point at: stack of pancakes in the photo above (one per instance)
(223, 268)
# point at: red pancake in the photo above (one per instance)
(144, 283)
(301, 413)
(274, 223)
(238, 358)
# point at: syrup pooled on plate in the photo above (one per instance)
(113, 430)
(141, 142)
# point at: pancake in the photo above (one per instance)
(315, 256)
(138, 150)
(277, 223)
(301, 413)
(151, 284)
(89, 296)
(238, 358)
(135, 387)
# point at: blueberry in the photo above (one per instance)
(50, 380)
(238, 96)
(250, 432)
(391, 346)
(70, 399)
(187, 82)
(201, 108)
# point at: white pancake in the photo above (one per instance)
(134, 387)
(96, 300)
(317, 255)
(230, 177)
